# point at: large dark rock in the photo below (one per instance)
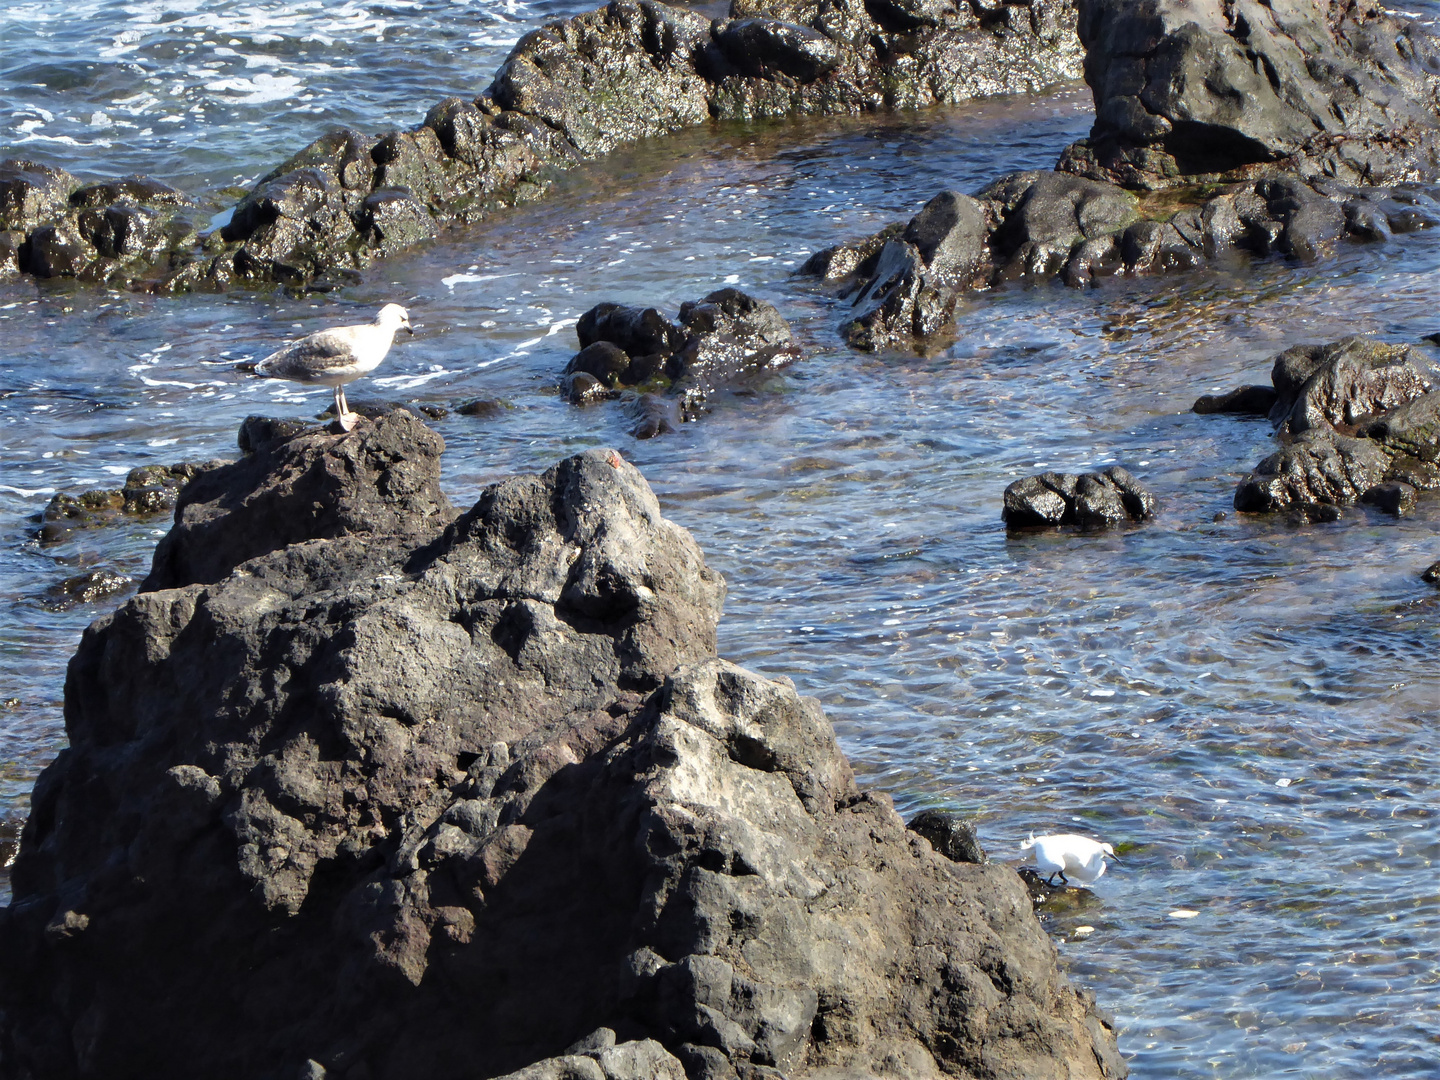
(1055, 215)
(908, 282)
(720, 340)
(408, 794)
(1318, 467)
(1190, 89)
(113, 231)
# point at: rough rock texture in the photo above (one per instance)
(1357, 421)
(401, 793)
(1089, 500)
(111, 232)
(1040, 225)
(719, 341)
(1344, 383)
(571, 90)
(1189, 89)
(950, 835)
(149, 489)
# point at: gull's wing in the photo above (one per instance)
(312, 356)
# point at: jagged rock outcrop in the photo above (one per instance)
(1088, 500)
(571, 90)
(1357, 421)
(1040, 225)
(398, 792)
(719, 341)
(1190, 90)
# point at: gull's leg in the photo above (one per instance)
(342, 410)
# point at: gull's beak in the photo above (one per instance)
(409, 329)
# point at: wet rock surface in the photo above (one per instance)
(1088, 500)
(1195, 89)
(1432, 573)
(1039, 226)
(148, 490)
(1357, 421)
(571, 90)
(404, 791)
(950, 835)
(719, 342)
(87, 588)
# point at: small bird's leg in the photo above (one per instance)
(1051, 879)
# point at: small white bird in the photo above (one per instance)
(337, 356)
(1066, 853)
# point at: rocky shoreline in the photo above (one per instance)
(569, 92)
(1192, 154)
(362, 786)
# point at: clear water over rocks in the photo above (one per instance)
(1244, 707)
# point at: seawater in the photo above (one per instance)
(1248, 706)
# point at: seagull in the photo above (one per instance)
(337, 356)
(1066, 853)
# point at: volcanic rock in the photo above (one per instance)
(1339, 384)
(399, 793)
(1089, 500)
(1246, 400)
(148, 490)
(569, 91)
(721, 340)
(1357, 422)
(1187, 90)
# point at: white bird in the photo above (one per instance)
(1066, 853)
(337, 356)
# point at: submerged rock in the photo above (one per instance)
(86, 588)
(360, 786)
(1358, 422)
(1245, 400)
(1089, 500)
(719, 341)
(148, 490)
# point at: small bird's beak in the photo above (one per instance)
(409, 329)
